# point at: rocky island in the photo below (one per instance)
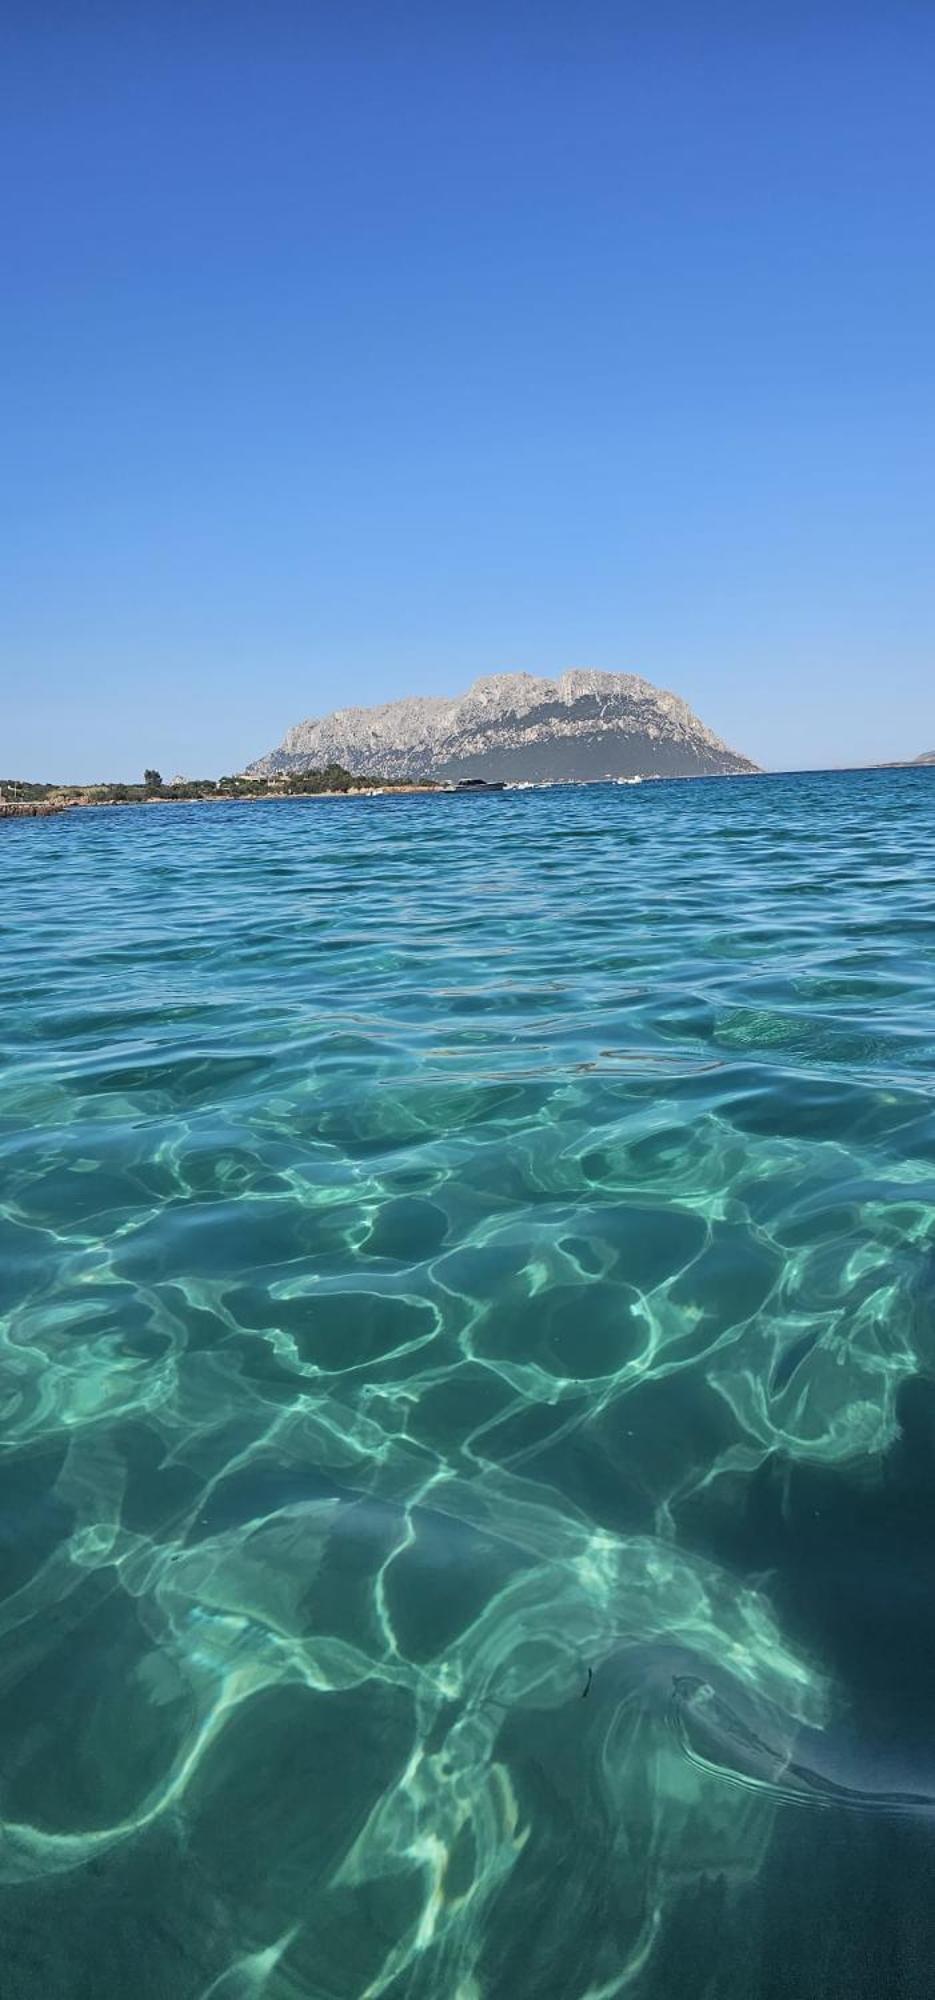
(583, 727)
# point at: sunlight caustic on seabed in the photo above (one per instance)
(466, 1312)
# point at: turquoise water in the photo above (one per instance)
(467, 1490)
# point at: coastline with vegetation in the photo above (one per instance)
(21, 798)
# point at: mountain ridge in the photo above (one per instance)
(587, 724)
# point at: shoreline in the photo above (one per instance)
(79, 801)
(42, 808)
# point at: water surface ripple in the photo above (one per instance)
(467, 1275)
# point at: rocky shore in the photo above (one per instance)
(31, 808)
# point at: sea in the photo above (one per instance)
(467, 1396)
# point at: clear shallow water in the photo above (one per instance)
(453, 1255)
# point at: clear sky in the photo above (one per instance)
(355, 350)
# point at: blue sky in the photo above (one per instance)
(357, 350)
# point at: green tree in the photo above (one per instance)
(153, 781)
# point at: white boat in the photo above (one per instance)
(628, 781)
